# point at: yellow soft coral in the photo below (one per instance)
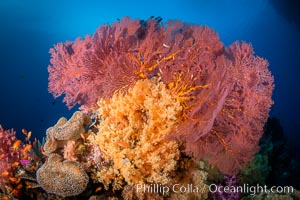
(132, 134)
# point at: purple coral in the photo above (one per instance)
(227, 190)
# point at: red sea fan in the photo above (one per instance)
(225, 92)
(238, 117)
(67, 74)
(97, 66)
(118, 55)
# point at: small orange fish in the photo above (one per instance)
(104, 154)
(16, 145)
(28, 184)
(15, 192)
(123, 144)
(98, 189)
(5, 173)
(34, 142)
(3, 156)
(15, 180)
(82, 136)
(31, 185)
(24, 131)
(93, 197)
(19, 186)
(25, 157)
(28, 136)
(27, 148)
(85, 135)
(5, 198)
(15, 164)
(32, 168)
(42, 151)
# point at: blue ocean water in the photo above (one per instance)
(28, 29)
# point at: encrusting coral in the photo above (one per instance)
(132, 134)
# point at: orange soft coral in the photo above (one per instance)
(132, 134)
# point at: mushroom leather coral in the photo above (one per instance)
(63, 178)
(62, 174)
(65, 130)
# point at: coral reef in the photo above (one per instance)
(225, 92)
(155, 98)
(162, 103)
